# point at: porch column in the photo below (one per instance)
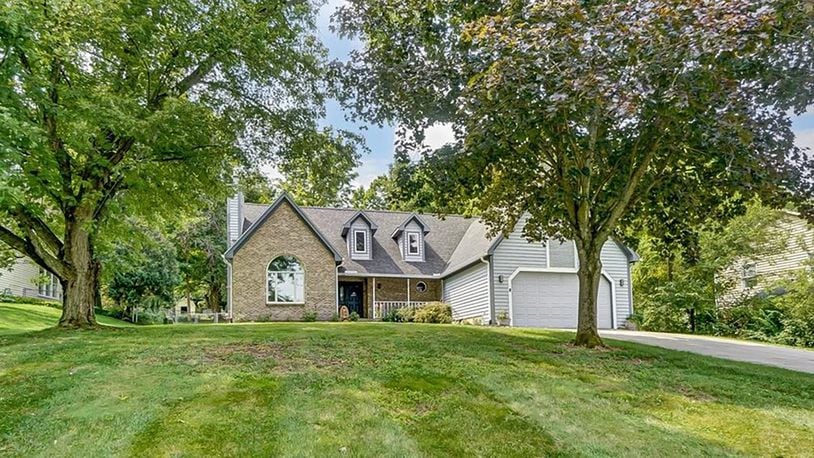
(408, 292)
(374, 298)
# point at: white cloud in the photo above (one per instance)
(805, 138)
(435, 137)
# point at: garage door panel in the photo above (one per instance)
(550, 300)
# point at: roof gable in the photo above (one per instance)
(413, 217)
(230, 253)
(357, 215)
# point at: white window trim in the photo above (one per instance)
(353, 242)
(269, 273)
(53, 285)
(418, 243)
(421, 282)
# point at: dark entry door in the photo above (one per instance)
(351, 295)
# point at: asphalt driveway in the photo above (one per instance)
(801, 360)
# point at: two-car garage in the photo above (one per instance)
(550, 300)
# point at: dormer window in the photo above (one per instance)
(358, 232)
(410, 238)
(413, 240)
(360, 242)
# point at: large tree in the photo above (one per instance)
(588, 115)
(140, 105)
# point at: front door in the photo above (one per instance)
(351, 295)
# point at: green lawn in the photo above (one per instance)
(383, 389)
(17, 318)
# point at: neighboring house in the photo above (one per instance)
(285, 260)
(758, 274)
(23, 279)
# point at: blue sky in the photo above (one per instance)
(380, 140)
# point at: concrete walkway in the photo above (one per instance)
(796, 359)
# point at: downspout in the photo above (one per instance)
(485, 260)
(228, 287)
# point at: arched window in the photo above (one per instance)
(286, 281)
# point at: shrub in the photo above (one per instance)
(434, 312)
(353, 316)
(309, 315)
(148, 316)
(403, 315)
(797, 307)
(30, 300)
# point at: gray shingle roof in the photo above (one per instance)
(450, 244)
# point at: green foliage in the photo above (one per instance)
(679, 288)
(309, 316)
(798, 310)
(586, 129)
(7, 258)
(421, 186)
(434, 312)
(30, 300)
(151, 316)
(200, 245)
(143, 275)
(401, 315)
(353, 316)
(144, 109)
(321, 171)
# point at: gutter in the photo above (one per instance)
(489, 285)
(229, 286)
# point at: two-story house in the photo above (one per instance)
(285, 260)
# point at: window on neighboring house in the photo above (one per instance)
(49, 287)
(749, 275)
(360, 241)
(286, 281)
(413, 240)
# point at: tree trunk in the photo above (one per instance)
(590, 274)
(213, 297)
(81, 288)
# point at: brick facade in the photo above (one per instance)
(282, 233)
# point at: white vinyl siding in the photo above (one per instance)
(799, 251)
(615, 264)
(563, 254)
(467, 292)
(20, 279)
(515, 252)
(233, 219)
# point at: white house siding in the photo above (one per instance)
(798, 252)
(20, 278)
(512, 252)
(515, 252)
(233, 218)
(468, 293)
(615, 264)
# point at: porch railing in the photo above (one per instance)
(382, 308)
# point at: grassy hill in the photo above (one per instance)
(381, 389)
(18, 318)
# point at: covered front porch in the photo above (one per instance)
(372, 296)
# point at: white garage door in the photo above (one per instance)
(549, 300)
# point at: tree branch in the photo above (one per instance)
(30, 249)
